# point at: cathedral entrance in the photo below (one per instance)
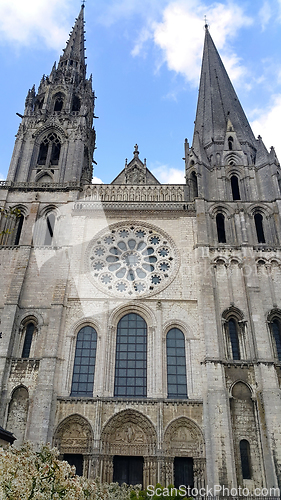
(128, 470)
(76, 460)
(183, 472)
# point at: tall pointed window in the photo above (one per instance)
(259, 227)
(194, 185)
(276, 333)
(50, 225)
(58, 103)
(84, 362)
(131, 356)
(235, 187)
(29, 332)
(18, 229)
(230, 143)
(49, 151)
(76, 103)
(176, 364)
(245, 459)
(234, 339)
(220, 228)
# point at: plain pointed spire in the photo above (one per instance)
(218, 101)
(75, 47)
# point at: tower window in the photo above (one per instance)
(230, 143)
(259, 227)
(84, 363)
(235, 187)
(50, 225)
(58, 103)
(276, 332)
(76, 103)
(28, 340)
(194, 185)
(18, 229)
(245, 459)
(131, 354)
(234, 340)
(176, 364)
(49, 152)
(220, 228)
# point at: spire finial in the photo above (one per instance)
(206, 24)
(83, 3)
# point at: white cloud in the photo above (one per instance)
(168, 175)
(2, 178)
(267, 124)
(180, 35)
(265, 14)
(96, 180)
(27, 22)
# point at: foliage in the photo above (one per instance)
(9, 213)
(29, 475)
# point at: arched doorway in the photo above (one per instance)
(73, 438)
(128, 443)
(184, 454)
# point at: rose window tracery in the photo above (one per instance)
(132, 260)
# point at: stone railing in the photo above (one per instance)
(134, 193)
(39, 186)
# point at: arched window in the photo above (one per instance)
(233, 337)
(58, 103)
(235, 187)
(50, 225)
(49, 151)
(84, 362)
(76, 103)
(18, 229)
(220, 228)
(230, 143)
(176, 364)
(245, 459)
(259, 227)
(29, 331)
(131, 356)
(276, 333)
(194, 185)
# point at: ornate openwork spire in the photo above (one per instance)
(74, 53)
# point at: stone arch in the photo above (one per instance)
(17, 413)
(183, 440)
(74, 435)
(142, 310)
(128, 433)
(183, 437)
(242, 404)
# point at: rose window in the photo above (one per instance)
(130, 261)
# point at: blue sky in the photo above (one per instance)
(145, 57)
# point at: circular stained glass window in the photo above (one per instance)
(132, 260)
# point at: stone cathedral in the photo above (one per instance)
(141, 322)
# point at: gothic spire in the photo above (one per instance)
(74, 52)
(218, 101)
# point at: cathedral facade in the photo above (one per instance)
(141, 322)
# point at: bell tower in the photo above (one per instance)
(56, 139)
